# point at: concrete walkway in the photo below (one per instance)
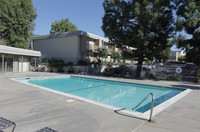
(32, 109)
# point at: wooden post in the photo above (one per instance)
(22, 64)
(2, 63)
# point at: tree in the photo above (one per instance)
(16, 22)
(163, 55)
(63, 25)
(102, 53)
(188, 22)
(115, 56)
(142, 24)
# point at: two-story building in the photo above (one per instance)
(70, 46)
(174, 55)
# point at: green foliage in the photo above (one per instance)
(63, 25)
(102, 53)
(188, 21)
(174, 77)
(163, 55)
(56, 63)
(182, 58)
(115, 56)
(145, 25)
(71, 69)
(16, 22)
(69, 63)
(82, 63)
(127, 55)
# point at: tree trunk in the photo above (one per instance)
(139, 67)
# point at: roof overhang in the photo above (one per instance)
(73, 33)
(18, 51)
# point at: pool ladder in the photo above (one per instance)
(152, 103)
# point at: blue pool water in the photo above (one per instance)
(120, 94)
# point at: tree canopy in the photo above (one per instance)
(16, 22)
(163, 55)
(188, 22)
(63, 25)
(142, 24)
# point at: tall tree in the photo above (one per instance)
(143, 24)
(16, 22)
(188, 22)
(63, 25)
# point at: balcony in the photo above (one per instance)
(90, 47)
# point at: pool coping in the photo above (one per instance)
(156, 110)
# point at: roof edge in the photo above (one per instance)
(65, 34)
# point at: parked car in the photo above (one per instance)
(156, 64)
(189, 66)
(147, 67)
(193, 70)
(120, 71)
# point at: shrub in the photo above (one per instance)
(174, 77)
(82, 63)
(69, 63)
(151, 76)
(71, 69)
(56, 63)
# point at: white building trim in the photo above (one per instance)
(73, 33)
(18, 51)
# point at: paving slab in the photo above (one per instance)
(183, 116)
(32, 109)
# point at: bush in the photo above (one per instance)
(151, 76)
(56, 63)
(82, 63)
(174, 77)
(69, 63)
(71, 69)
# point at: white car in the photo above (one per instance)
(158, 64)
(147, 67)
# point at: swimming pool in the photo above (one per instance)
(119, 94)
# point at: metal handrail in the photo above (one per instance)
(152, 103)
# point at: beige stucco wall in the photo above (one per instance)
(67, 48)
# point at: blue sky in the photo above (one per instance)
(85, 14)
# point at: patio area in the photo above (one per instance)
(32, 108)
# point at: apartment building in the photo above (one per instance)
(71, 46)
(174, 55)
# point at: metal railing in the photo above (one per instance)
(152, 103)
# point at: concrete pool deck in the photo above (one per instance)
(33, 108)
